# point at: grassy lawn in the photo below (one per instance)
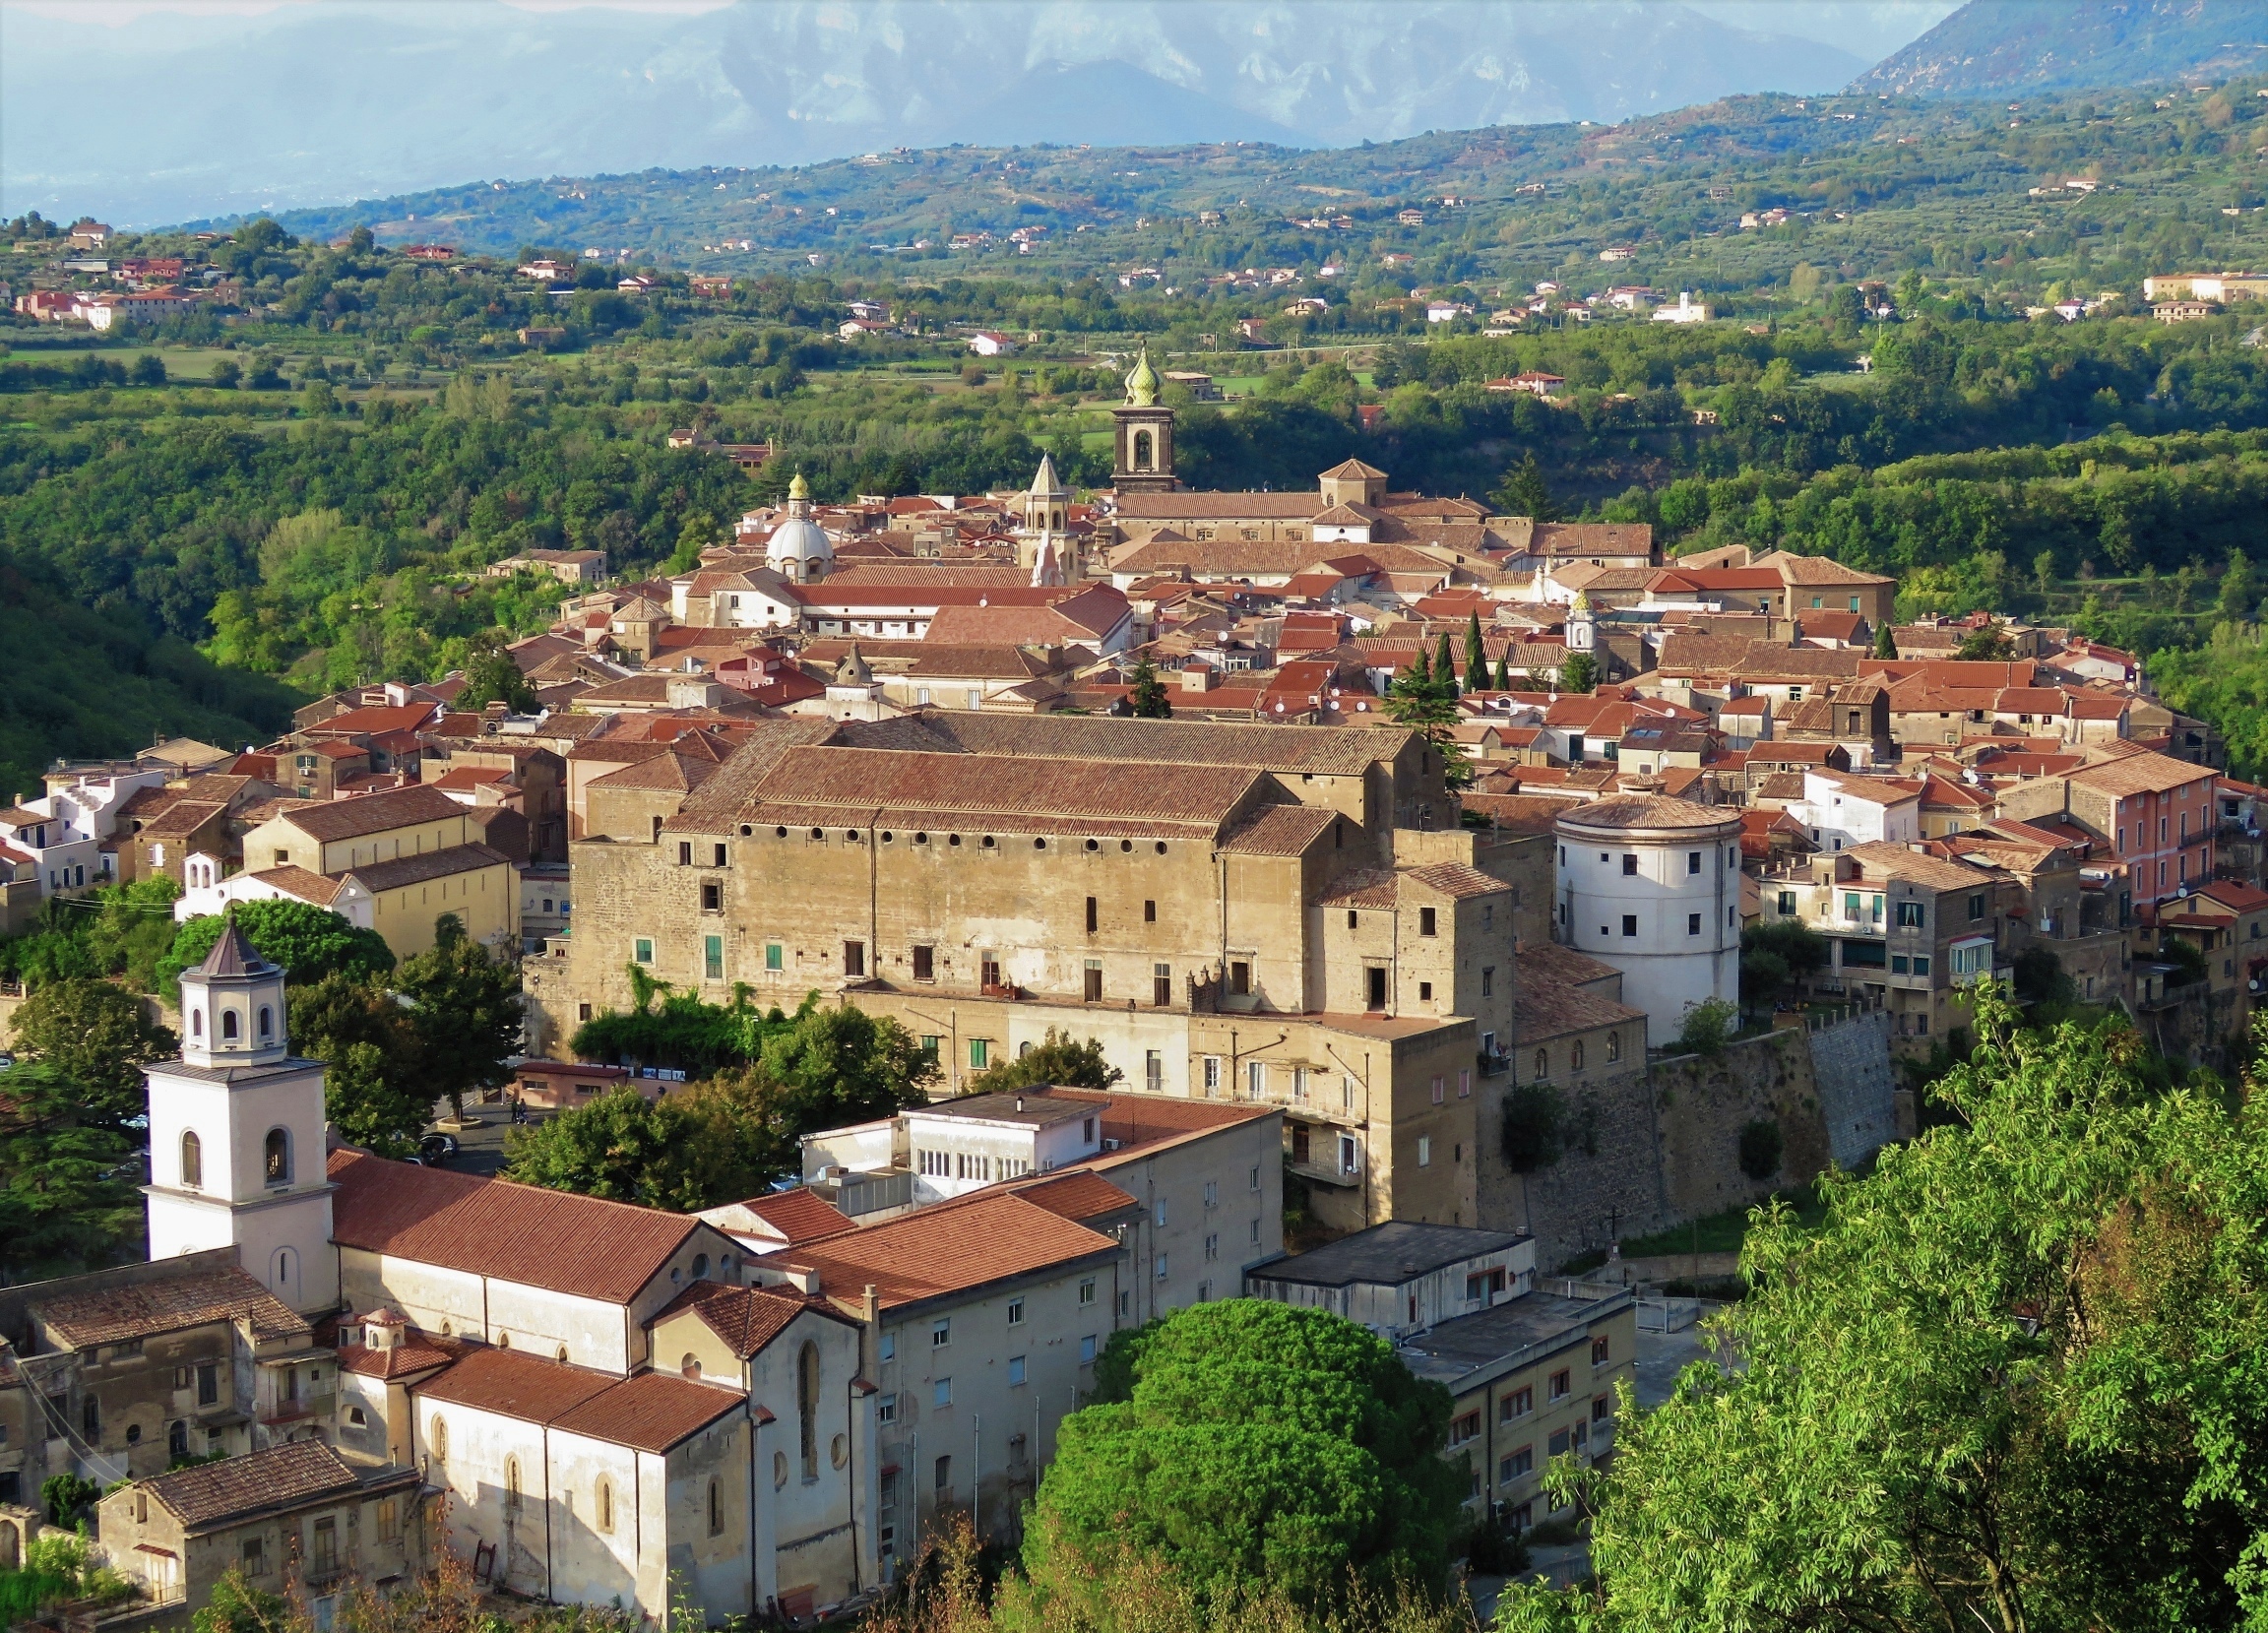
(1719, 1232)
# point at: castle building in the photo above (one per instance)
(1274, 914)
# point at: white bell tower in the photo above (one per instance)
(1582, 624)
(236, 1133)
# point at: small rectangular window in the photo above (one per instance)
(1015, 1312)
(1692, 862)
(1149, 913)
(684, 852)
(1559, 1386)
(853, 958)
(1629, 864)
(886, 1409)
(1092, 979)
(1087, 1351)
(1629, 923)
(1087, 1291)
(1239, 978)
(1692, 923)
(1426, 921)
(1161, 985)
(1015, 1372)
(941, 1332)
(1093, 915)
(924, 963)
(642, 949)
(773, 956)
(980, 1053)
(1424, 1150)
(1488, 981)
(712, 897)
(713, 957)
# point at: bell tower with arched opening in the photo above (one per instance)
(236, 1133)
(1144, 435)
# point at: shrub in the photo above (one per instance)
(1761, 1148)
(1706, 1027)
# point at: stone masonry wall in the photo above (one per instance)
(1656, 1148)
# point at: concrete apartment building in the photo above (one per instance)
(1281, 916)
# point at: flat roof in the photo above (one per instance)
(1388, 1254)
(1516, 1331)
(1035, 1106)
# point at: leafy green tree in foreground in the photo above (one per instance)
(1057, 1060)
(1578, 672)
(1259, 1446)
(70, 1194)
(465, 1004)
(1147, 695)
(1425, 698)
(727, 1138)
(2016, 1381)
(308, 941)
(95, 1035)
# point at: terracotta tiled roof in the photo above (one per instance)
(1888, 859)
(651, 1412)
(2140, 774)
(1323, 750)
(445, 863)
(1647, 811)
(114, 1315)
(799, 1216)
(1078, 1196)
(342, 819)
(1816, 570)
(908, 785)
(745, 1318)
(988, 1236)
(1278, 830)
(516, 1384)
(553, 1239)
(414, 1355)
(277, 1477)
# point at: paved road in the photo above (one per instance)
(481, 1150)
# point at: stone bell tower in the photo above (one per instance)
(1144, 435)
(236, 1133)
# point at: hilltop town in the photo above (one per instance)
(1450, 894)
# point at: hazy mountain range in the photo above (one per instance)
(175, 115)
(2003, 47)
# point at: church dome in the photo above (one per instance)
(799, 550)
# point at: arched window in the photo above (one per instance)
(1141, 451)
(690, 1365)
(192, 1161)
(700, 1266)
(283, 1275)
(808, 1406)
(511, 1485)
(438, 1437)
(195, 1023)
(90, 1420)
(278, 1156)
(1575, 1056)
(605, 1505)
(716, 1509)
(266, 1023)
(228, 1027)
(1542, 1063)
(178, 1439)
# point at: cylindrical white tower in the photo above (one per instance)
(1651, 886)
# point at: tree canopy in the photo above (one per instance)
(1258, 1444)
(729, 1137)
(308, 941)
(2015, 1381)
(1056, 1059)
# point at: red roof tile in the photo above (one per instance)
(571, 1244)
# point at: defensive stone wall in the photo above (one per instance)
(1641, 1152)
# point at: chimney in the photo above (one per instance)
(1019, 1102)
(871, 1305)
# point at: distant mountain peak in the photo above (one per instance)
(2004, 47)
